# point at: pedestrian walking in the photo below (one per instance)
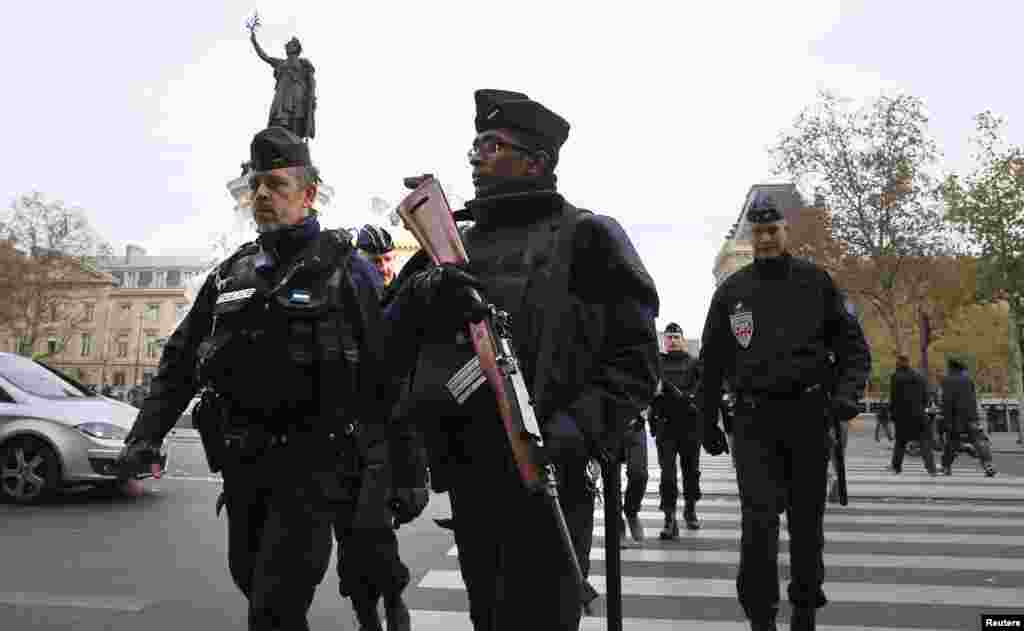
(883, 422)
(678, 435)
(960, 417)
(909, 395)
(582, 308)
(285, 338)
(769, 332)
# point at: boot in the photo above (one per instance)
(366, 614)
(397, 614)
(802, 619)
(624, 541)
(990, 471)
(671, 529)
(690, 516)
(635, 527)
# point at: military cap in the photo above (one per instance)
(763, 209)
(956, 363)
(277, 148)
(539, 126)
(672, 327)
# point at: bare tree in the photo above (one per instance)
(47, 252)
(871, 170)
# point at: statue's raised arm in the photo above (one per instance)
(273, 61)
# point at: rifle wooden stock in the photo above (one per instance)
(426, 213)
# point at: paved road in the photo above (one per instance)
(909, 552)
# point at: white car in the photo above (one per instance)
(55, 432)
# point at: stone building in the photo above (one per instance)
(112, 319)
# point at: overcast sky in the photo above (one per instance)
(141, 112)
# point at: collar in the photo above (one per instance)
(776, 268)
(514, 208)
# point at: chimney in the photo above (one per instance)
(133, 251)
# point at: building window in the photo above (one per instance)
(24, 345)
(90, 311)
(87, 343)
(152, 345)
(153, 312)
(52, 346)
(126, 307)
(118, 278)
(119, 379)
(145, 279)
(174, 278)
(122, 347)
(53, 312)
(180, 310)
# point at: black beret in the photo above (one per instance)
(673, 328)
(277, 148)
(501, 109)
(763, 209)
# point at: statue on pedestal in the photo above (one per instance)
(294, 102)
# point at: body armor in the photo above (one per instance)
(283, 347)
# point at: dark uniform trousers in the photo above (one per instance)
(974, 436)
(369, 566)
(687, 451)
(781, 455)
(635, 443)
(279, 530)
(510, 556)
(919, 430)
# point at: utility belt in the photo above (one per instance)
(758, 399)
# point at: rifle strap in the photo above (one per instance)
(558, 286)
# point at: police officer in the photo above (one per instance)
(678, 433)
(285, 336)
(582, 310)
(769, 331)
(376, 244)
(369, 565)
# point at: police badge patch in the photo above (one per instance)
(742, 321)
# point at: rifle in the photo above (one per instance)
(426, 213)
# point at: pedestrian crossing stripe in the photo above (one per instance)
(946, 521)
(878, 561)
(839, 536)
(838, 591)
(424, 620)
(925, 490)
(873, 506)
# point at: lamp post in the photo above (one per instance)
(138, 351)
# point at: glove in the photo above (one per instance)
(450, 285)
(563, 438)
(714, 441)
(139, 456)
(844, 407)
(408, 504)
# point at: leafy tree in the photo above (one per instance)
(47, 252)
(880, 226)
(987, 205)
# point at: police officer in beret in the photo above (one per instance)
(285, 339)
(582, 309)
(769, 332)
(678, 432)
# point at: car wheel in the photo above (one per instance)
(29, 470)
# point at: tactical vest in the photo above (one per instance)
(283, 346)
(681, 370)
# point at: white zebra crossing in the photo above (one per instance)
(940, 553)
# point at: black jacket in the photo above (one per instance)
(770, 329)
(959, 402)
(676, 409)
(908, 400)
(592, 309)
(176, 380)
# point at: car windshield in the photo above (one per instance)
(37, 379)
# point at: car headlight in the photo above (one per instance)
(106, 431)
